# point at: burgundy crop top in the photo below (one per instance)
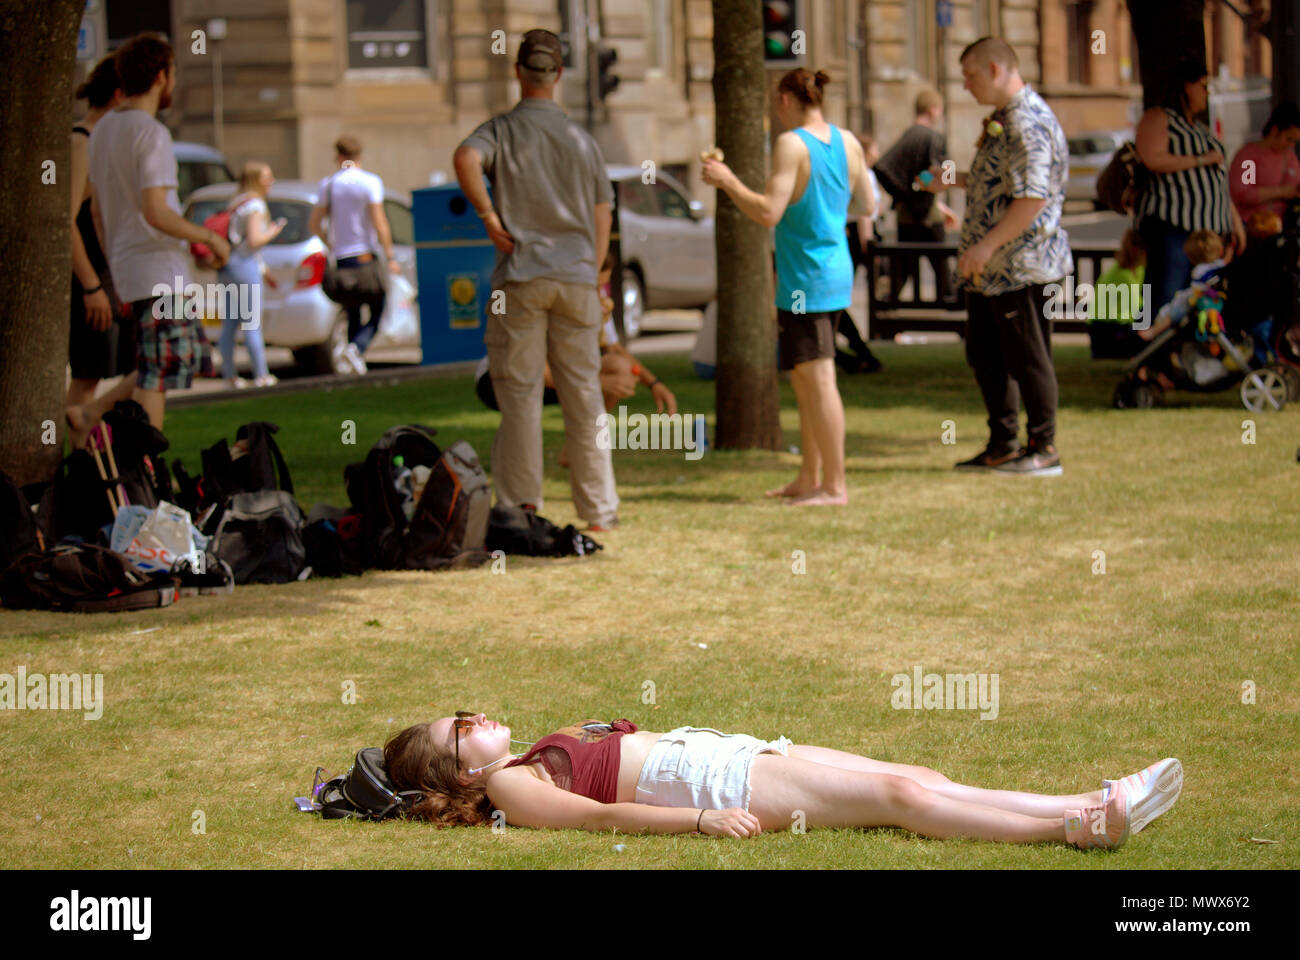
(582, 759)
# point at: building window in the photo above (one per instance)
(918, 42)
(383, 34)
(981, 19)
(125, 18)
(659, 31)
(1078, 41)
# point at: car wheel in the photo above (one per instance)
(327, 357)
(633, 303)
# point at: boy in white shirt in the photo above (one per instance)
(352, 200)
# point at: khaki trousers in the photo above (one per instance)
(549, 321)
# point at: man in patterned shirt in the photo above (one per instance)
(1012, 246)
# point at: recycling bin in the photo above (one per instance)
(453, 263)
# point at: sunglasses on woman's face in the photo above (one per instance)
(462, 722)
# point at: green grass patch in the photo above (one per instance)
(231, 702)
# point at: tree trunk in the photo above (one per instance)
(748, 395)
(1167, 32)
(38, 46)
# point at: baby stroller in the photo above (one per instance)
(1208, 349)
(1286, 269)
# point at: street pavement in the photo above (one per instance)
(664, 332)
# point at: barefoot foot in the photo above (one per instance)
(80, 423)
(795, 488)
(820, 498)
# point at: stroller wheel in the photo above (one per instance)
(1122, 399)
(1291, 377)
(1263, 390)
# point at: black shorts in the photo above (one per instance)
(95, 355)
(805, 336)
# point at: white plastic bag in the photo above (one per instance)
(165, 536)
(401, 315)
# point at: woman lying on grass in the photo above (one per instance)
(596, 776)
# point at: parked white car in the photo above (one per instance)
(297, 314)
(668, 254)
(1089, 154)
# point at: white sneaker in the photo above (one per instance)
(270, 380)
(237, 383)
(1150, 792)
(353, 356)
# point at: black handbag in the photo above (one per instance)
(350, 286)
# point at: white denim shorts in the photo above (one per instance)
(700, 767)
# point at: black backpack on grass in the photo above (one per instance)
(514, 530)
(260, 536)
(364, 792)
(83, 578)
(449, 525)
(20, 530)
(80, 502)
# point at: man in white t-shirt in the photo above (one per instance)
(352, 200)
(138, 215)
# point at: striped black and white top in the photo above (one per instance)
(1195, 199)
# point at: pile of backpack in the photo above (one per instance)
(140, 532)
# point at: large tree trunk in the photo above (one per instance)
(1167, 32)
(38, 46)
(747, 391)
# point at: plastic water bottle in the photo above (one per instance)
(404, 485)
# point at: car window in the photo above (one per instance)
(671, 203)
(635, 197)
(400, 222)
(296, 213)
(194, 174)
(1083, 146)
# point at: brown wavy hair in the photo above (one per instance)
(139, 61)
(805, 86)
(415, 762)
(98, 88)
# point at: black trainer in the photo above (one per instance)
(990, 458)
(1034, 462)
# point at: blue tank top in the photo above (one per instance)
(814, 272)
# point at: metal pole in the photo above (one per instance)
(218, 103)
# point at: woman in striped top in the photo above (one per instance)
(1188, 187)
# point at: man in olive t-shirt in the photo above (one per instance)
(549, 217)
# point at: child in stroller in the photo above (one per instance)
(1199, 340)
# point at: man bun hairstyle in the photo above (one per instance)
(348, 147)
(139, 61)
(805, 86)
(98, 88)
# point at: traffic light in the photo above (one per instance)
(782, 38)
(607, 83)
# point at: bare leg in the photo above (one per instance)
(154, 403)
(810, 469)
(83, 417)
(1033, 804)
(81, 392)
(823, 410)
(782, 788)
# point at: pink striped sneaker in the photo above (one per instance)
(1099, 828)
(1150, 792)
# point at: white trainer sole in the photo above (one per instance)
(1156, 796)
